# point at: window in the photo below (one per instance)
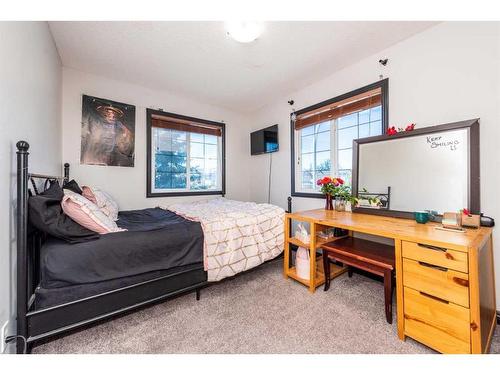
(185, 155)
(322, 136)
(315, 154)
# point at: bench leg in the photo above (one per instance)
(198, 294)
(349, 271)
(326, 269)
(388, 288)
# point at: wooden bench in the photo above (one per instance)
(369, 256)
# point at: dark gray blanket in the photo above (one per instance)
(156, 240)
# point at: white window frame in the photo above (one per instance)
(155, 190)
(298, 153)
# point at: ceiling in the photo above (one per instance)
(198, 59)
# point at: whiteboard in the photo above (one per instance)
(425, 172)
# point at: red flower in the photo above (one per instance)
(323, 181)
(392, 130)
(410, 127)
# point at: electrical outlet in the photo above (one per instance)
(3, 335)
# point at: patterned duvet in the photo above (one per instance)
(238, 235)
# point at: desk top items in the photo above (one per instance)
(334, 188)
(421, 217)
(469, 220)
(452, 220)
(486, 221)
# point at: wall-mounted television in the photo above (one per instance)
(264, 140)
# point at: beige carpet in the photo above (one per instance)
(256, 312)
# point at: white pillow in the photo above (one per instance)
(103, 200)
(87, 214)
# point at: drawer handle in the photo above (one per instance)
(461, 282)
(434, 298)
(437, 248)
(439, 268)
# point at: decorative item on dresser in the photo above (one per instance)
(445, 283)
(470, 220)
(334, 188)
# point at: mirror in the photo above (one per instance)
(434, 168)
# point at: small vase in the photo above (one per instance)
(329, 202)
(340, 204)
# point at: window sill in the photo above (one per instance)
(183, 193)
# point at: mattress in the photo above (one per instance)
(156, 240)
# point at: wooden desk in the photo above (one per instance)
(445, 284)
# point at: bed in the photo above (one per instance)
(238, 235)
(157, 243)
(164, 252)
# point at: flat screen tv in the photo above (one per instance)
(264, 141)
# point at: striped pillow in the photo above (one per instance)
(87, 214)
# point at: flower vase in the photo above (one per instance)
(329, 202)
(340, 204)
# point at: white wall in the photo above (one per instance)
(30, 97)
(448, 73)
(128, 185)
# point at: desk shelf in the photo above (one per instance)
(318, 275)
(335, 270)
(319, 242)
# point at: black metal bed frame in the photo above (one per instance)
(35, 325)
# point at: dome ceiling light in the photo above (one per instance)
(244, 31)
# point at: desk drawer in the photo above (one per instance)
(455, 260)
(450, 319)
(435, 338)
(437, 281)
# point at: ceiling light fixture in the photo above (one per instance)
(244, 31)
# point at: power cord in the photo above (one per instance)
(12, 338)
(269, 179)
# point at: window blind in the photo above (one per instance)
(340, 108)
(167, 122)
